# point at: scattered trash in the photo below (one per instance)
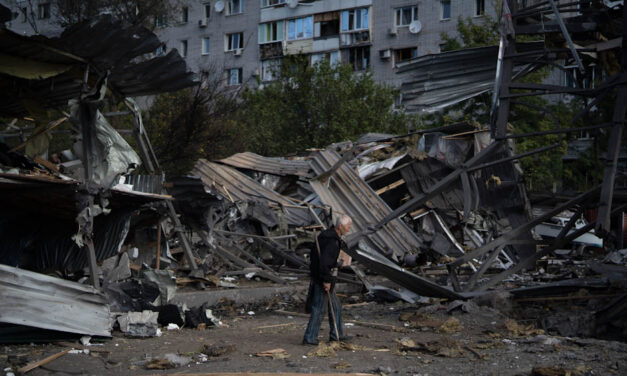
(173, 327)
(217, 350)
(452, 325)
(139, 324)
(274, 354)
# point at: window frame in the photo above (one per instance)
(43, 11)
(399, 11)
(229, 76)
(304, 24)
(184, 14)
(228, 47)
(207, 10)
(205, 51)
(349, 20)
(230, 6)
(450, 10)
(479, 6)
(279, 29)
(184, 48)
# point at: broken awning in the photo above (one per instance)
(45, 302)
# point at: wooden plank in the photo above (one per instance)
(389, 187)
(44, 361)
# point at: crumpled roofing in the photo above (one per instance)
(275, 166)
(104, 43)
(348, 194)
(235, 186)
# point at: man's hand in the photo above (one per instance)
(327, 286)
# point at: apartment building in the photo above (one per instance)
(245, 39)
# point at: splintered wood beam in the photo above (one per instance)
(389, 187)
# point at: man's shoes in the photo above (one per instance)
(315, 343)
(342, 339)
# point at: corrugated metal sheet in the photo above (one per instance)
(108, 45)
(45, 302)
(235, 186)
(275, 166)
(435, 81)
(347, 193)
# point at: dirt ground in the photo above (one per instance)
(427, 341)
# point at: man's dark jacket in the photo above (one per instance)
(320, 267)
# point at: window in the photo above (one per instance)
(479, 7)
(359, 58)
(160, 50)
(446, 9)
(269, 3)
(300, 28)
(405, 54)
(234, 41)
(405, 16)
(270, 69)
(24, 13)
(236, 6)
(44, 11)
(356, 19)
(332, 58)
(183, 50)
(185, 14)
(161, 21)
(205, 46)
(234, 76)
(271, 32)
(207, 10)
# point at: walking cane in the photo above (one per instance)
(337, 332)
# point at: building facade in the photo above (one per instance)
(245, 39)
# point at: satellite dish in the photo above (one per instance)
(219, 6)
(415, 27)
(292, 3)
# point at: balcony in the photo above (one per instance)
(270, 50)
(355, 38)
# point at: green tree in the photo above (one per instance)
(471, 34)
(193, 123)
(314, 106)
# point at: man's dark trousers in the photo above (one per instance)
(320, 303)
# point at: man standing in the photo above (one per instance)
(323, 258)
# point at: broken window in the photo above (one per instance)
(205, 46)
(405, 15)
(44, 11)
(234, 41)
(359, 58)
(236, 6)
(446, 9)
(300, 28)
(234, 76)
(403, 54)
(183, 50)
(207, 10)
(326, 24)
(185, 14)
(271, 32)
(269, 3)
(355, 19)
(479, 7)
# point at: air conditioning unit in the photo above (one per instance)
(385, 54)
(238, 51)
(202, 23)
(392, 31)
